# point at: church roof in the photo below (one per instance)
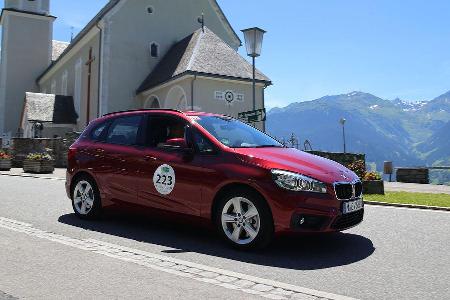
(58, 48)
(48, 108)
(201, 53)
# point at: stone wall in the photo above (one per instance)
(21, 147)
(56, 147)
(413, 175)
(66, 142)
(342, 158)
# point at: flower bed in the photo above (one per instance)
(373, 187)
(372, 184)
(372, 181)
(5, 161)
(40, 163)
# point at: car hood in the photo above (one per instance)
(297, 161)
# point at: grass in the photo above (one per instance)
(441, 200)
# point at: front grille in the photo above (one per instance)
(346, 191)
(348, 220)
(358, 189)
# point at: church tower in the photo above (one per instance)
(26, 49)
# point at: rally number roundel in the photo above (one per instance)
(164, 179)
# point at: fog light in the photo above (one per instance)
(308, 222)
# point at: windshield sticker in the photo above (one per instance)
(164, 179)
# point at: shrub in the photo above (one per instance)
(39, 156)
(359, 167)
(3, 155)
(372, 176)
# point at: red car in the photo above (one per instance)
(212, 167)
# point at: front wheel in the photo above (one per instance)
(244, 220)
(86, 201)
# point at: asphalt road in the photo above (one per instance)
(395, 253)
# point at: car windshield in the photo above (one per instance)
(236, 134)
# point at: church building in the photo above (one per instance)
(132, 54)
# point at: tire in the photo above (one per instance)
(253, 231)
(86, 205)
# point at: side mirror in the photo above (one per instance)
(176, 144)
(180, 145)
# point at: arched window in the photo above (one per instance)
(64, 83)
(152, 102)
(53, 87)
(154, 50)
(176, 98)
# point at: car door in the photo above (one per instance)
(122, 154)
(172, 177)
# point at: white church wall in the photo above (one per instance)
(24, 58)
(40, 6)
(205, 98)
(132, 29)
(242, 96)
(68, 68)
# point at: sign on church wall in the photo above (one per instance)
(229, 96)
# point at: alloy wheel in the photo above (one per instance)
(83, 197)
(240, 220)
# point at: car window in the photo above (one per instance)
(160, 129)
(98, 132)
(124, 130)
(203, 145)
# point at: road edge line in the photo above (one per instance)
(34, 176)
(424, 207)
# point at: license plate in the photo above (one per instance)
(352, 206)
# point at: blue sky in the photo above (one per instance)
(324, 47)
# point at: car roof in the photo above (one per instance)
(158, 110)
(163, 110)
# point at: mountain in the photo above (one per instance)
(409, 134)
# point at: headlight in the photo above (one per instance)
(297, 182)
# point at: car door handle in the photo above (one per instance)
(149, 158)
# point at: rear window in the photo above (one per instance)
(98, 132)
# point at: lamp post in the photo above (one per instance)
(253, 42)
(342, 121)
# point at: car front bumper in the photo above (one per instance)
(309, 212)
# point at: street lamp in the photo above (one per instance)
(342, 121)
(253, 43)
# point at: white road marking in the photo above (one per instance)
(215, 276)
(407, 208)
(32, 176)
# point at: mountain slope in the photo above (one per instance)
(407, 133)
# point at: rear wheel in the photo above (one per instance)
(86, 201)
(244, 219)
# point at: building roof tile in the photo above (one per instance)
(201, 53)
(50, 108)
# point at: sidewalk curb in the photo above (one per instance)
(424, 207)
(33, 176)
